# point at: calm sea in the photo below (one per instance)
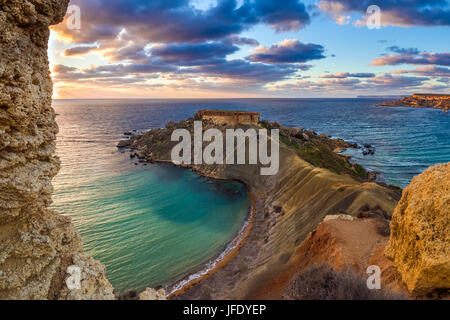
(151, 225)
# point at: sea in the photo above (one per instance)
(153, 225)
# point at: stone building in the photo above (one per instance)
(232, 118)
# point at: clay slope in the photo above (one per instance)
(36, 244)
(346, 245)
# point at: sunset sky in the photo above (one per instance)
(250, 48)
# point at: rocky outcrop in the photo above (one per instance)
(436, 101)
(36, 244)
(420, 232)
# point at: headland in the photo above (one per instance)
(420, 100)
(313, 181)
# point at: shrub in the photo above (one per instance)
(324, 283)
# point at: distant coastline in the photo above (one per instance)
(425, 100)
(380, 97)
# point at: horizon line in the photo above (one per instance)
(240, 98)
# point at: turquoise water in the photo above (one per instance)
(153, 225)
(150, 225)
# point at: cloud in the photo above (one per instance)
(254, 72)
(80, 50)
(142, 38)
(179, 21)
(304, 67)
(288, 51)
(67, 73)
(412, 56)
(329, 85)
(288, 15)
(234, 39)
(399, 50)
(238, 71)
(192, 53)
(59, 68)
(397, 82)
(378, 84)
(343, 75)
(133, 53)
(173, 43)
(429, 71)
(394, 12)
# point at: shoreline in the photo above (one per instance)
(231, 249)
(222, 259)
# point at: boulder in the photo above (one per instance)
(124, 143)
(152, 294)
(419, 245)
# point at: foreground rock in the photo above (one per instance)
(420, 232)
(152, 294)
(36, 244)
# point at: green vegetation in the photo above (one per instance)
(320, 154)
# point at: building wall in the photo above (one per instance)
(230, 118)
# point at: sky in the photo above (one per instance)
(250, 48)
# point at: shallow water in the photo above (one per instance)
(151, 225)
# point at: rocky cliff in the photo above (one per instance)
(436, 101)
(36, 244)
(420, 240)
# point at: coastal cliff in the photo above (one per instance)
(436, 101)
(419, 245)
(36, 244)
(313, 181)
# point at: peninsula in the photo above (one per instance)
(435, 101)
